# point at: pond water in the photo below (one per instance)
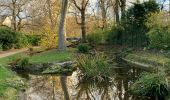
(61, 87)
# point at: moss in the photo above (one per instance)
(56, 69)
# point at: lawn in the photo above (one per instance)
(44, 57)
(6, 91)
(52, 56)
(148, 58)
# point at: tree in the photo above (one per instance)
(61, 36)
(14, 9)
(116, 10)
(123, 8)
(103, 8)
(81, 6)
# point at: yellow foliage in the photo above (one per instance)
(49, 39)
(49, 28)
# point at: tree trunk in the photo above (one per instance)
(83, 26)
(103, 11)
(116, 11)
(14, 16)
(123, 8)
(61, 36)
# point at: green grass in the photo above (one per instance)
(51, 56)
(44, 57)
(148, 58)
(6, 92)
(6, 60)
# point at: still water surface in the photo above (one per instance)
(61, 87)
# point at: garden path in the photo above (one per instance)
(11, 52)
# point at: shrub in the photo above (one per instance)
(133, 29)
(151, 85)
(159, 33)
(83, 48)
(23, 62)
(49, 40)
(34, 39)
(94, 67)
(7, 38)
(113, 36)
(96, 36)
(1, 47)
(21, 40)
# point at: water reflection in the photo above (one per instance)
(62, 87)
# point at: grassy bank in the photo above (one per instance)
(44, 57)
(52, 56)
(149, 58)
(8, 90)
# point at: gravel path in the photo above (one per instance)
(9, 53)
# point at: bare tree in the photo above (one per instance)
(61, 36)
(14, 9)
(123, 8)
(103, 12)
(81, 6)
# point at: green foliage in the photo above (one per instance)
(34, 40)
(7, 38)
(151, 85)
(159, 33)
(133, 29)
(113, 35)
(23, 62)
(94, 66)
(7, 92)
(21, 40)
(83, 48)
(96, 36)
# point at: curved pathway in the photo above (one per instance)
(9, 53)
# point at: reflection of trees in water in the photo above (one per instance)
(125, 77)
(60, 87)
(49, 87)
(64, 87)
(93, 91)
(43, 86)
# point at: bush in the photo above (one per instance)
(23, 62)
(133, 29)
(94, 67)
(113, 36)
(159, 33)
(49, 41)
(83, 48)
(34, 40)
(21, 40)
(151, 85)
(95, 37)
(7, 38)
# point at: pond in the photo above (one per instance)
(71, 87)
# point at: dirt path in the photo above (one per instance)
(12, 52)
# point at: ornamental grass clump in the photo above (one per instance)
(94, 67)
(152, 85)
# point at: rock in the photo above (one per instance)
(60, 68)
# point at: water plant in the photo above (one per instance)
(94, 66)
(153, 85)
